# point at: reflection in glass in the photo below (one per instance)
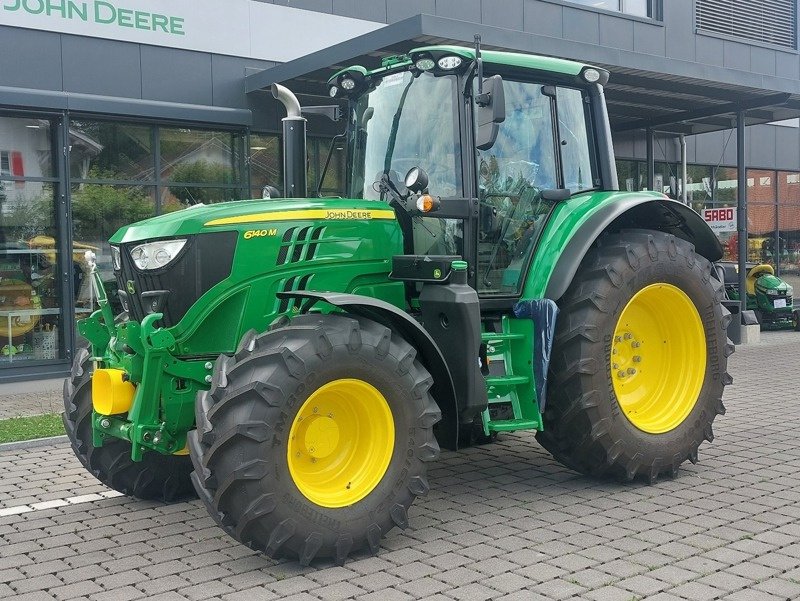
(511, 176)
(576, 146)
(25, 148)
(110, 151)
(30, 289)
(98, 211)
(265, 163)
(406, 122)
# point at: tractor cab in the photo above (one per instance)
(501, 140)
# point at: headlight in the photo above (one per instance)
(772, 292)
(116, 261)
(154, 255)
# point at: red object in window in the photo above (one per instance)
(16, 164)
(17, 168)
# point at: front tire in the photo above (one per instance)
(639, 359)
(155, 478)
(313, 439)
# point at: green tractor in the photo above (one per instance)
(768, 296)
(297, 362)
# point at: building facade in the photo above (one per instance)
(113, 111)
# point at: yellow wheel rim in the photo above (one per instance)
(658, 358)
(341, 443)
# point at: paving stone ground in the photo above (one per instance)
(503, 521)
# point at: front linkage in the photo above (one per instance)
(160, 408)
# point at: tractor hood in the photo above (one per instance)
(771, 282)
(249, 213)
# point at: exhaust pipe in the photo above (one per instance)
(295, 177)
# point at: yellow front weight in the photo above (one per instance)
(111, 395)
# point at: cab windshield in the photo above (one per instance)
(406, 121)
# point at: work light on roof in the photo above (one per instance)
(591, 75)
(333, 91)
(425, 64)
(448, 63)
(347, 84)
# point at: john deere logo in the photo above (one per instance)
(437, 273)
(130, 288)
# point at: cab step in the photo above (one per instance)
(510, 384)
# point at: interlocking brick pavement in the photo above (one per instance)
(502, 521)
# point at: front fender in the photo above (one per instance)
(577, 223)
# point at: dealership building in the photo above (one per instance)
(112, 111)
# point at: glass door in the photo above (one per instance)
(31, 299)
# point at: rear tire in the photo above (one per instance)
(156, 478)
(249, 433)
(796, 320)
(586, 426)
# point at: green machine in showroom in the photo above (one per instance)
(297, 362)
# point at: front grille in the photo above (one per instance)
(205, 260)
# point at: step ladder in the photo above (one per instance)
(510, 383)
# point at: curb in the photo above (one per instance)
(33, 443)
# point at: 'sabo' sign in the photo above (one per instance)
(721, 220)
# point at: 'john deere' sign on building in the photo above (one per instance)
(100, 12)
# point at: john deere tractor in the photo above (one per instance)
(297, 362)
(768, 296)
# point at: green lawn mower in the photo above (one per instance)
(768, 296)
(297, 362)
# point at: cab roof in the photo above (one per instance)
(489, 57)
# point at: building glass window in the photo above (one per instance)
(762, 218)
(265, 163)
(200, 166)
(640, 8)
(117, 177)
(788, 211)
(30, 289)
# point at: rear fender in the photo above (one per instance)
(399, 321)
(628, 212)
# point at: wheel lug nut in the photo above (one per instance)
(617, 338)
(615, 365)
(637, 359)
(621, 374)
(635, 344)
(628, 335)
(631, 371)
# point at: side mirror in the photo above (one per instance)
(490, 112)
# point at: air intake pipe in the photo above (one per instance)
(295, 179)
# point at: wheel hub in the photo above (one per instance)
(341, 443)
(321, 437)
(658, 358)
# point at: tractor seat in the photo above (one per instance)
(755, 273)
